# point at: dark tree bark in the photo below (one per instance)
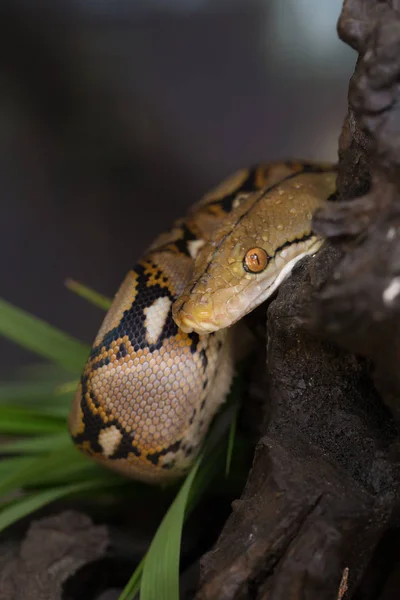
(54, 549)
(324, 487)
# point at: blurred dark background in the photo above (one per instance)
(116, 115)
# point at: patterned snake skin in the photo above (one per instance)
(150, 388)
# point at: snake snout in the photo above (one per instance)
(196, 314)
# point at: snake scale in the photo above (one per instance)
(163, 360)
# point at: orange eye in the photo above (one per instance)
(255, 260)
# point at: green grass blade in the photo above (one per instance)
(133, 585)
(56, 466)
(231, 443)
(40, 337)
(44, 372)
(59, 412)
(25, 392)
(36, 445)
(9, 465)
(33, 399)
(32, 502)
(88, 294)
(65, 465)
(67, 387)
(210, 467)
(69, 473)
(160, 578)
(21, 421)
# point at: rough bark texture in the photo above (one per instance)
(324, 487)
(54, 549)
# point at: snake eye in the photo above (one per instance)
(255, 260)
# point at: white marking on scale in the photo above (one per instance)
(194, 247)
(235, 203)
(109, 439)
(156, 315)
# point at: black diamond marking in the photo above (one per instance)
(94, 399)
(182, 244)
(204, 359)
(95, 351)
(132, 323)
(192, 418)
(249, 185)
(203, 404)
(94, 425)
(159, 274)
(154, 457)
(125, 447)
(122, 351)
(169, 465)
(194, 338)
(101, 363)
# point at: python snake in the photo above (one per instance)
(163, 360)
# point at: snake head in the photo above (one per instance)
(253, 252)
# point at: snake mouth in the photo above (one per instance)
(189, 324)
(196, 315)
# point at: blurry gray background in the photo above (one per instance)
(116, 115)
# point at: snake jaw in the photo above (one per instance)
(195, 316)
(188, 325)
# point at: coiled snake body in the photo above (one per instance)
(150, 387)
